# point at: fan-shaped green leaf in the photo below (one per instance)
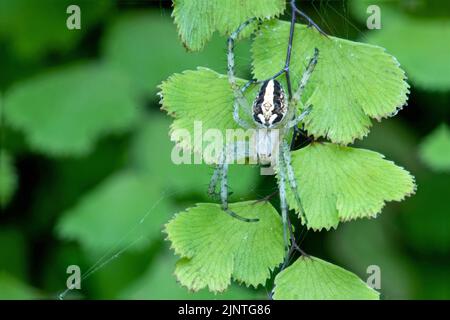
(351, 83)
(125, 210)
(310, 278)
(64, 112)
(338, 183)
(435, 149)
(203, 98)
(8, 181)
(215, 246)
(198, 20)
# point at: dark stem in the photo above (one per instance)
(289, 48)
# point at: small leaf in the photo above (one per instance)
(435, 149)
(215, 246)
(64, 112)
(310, 278)
(201, 96)
(110, 216)
(338, 183)
(8, 181)
(198, 20)
(352, 82)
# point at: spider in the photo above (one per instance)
(271, 111)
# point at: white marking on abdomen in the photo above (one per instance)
(268, 95)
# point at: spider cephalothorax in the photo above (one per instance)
(270, 105)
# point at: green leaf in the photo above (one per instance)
(425, 59)
(215, 246)
(338, 183)
(8, 181)
(198, 20)
(13, 289)
(310, 278)
(352, 82)
(204, 96)
(131, 55)
(34, 29)
(125, 210)
(151, 155)
(435, 149)
(64, 112)
(158, 282)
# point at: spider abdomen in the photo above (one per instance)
(269, 107)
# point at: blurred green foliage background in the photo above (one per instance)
(85, 172)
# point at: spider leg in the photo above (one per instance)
(283, 205)
(284, 174)
(298, 94)
(305, 78)
(224, 190)
(240, 100)
(217, 174)
(241, 122)
(224, 197)
(296, 120)
(214, 181)
(291, 178)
